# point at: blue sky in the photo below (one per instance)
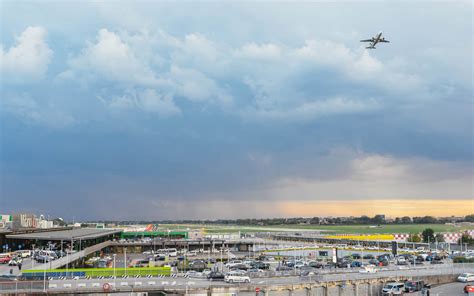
(210, 110)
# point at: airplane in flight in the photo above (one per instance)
(374, 40)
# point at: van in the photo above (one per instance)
(23, 253)
(390, 289)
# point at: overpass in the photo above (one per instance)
(70, 258)
(349, 284)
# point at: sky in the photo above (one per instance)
(235, 109)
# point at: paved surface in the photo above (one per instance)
(181, 283)
(453, 289)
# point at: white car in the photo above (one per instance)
(368, 269)
(233, 278)
(466, 277)
(299, 264)
(233, 263)
(393, 289)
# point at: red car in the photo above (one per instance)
(5, 260)
(468, 288)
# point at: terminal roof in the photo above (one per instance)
(70, 234)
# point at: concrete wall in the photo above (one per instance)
(343, 288)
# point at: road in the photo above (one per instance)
(180, 283)
(452, 289)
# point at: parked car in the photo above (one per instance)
(5, 259)
(330, 265)
(216, 276)
(467, 288)
(368, 257)
(307, 271)
(234, 278)
(383, 263)
(44, 258)
(260, 265)
(368, 269)
(283, 268)
(356, 264)
(415, 286)
(233, 262)
(343, 264)
(356, 256)
(315, 264)
(395, 288)
(466, 277)
(374, 262)
(198, 265)
(23, 253)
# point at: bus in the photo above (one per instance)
(172, 252)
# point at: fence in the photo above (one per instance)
(22, 286)
(97, 272)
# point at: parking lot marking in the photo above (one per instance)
(123, 284)
(53, 286)
(150, 283)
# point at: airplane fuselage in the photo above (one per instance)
(377, 38)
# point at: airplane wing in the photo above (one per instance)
(366, 40)
(383, 40)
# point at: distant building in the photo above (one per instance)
(26, 220)
(5, 221)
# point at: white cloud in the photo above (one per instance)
(147, 100)
(261, 52)
(29, 110)
(313, 109)
(112, 59)
(28, 59)
(207, 72)
(197, 87)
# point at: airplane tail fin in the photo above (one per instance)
(370, 47)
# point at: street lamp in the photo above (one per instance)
(125, 259)
(114, 272)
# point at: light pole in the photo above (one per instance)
(44, 275)
(125, 259)
(222, 263)
(114, 272)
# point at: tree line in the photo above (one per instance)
(362, 220)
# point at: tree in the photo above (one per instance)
(469, 218)
(414, 238)
(440, 238)
(379, 219)
(428, 235)
(425, 220)
(406, 220)
(466, 239)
